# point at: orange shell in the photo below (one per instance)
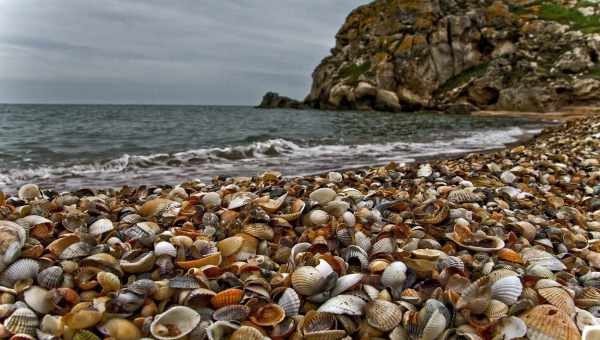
(57, 246)
(547, 320)
(227, 297)
(510, 255)
(268, 315)
(212, 259)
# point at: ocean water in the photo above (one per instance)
(72, 146)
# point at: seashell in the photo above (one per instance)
(510, 255)
(52, 324)
(142, 231)
(425, 170)
(434, 326)
(346, 282)
(175, 323)
(307, 280)
(76, 250)
(322, 196)
(247, 333)
(221, 330)
(22, 321)
(39, 299)
(507, 289)
(383, 315)
(85, 335)
(165, 248)
(261, 231)
(290, 302)
(50, 277)
(343, 304)
(317, 321)
(230, 245)
(100, 227)
(492, 243)
(231, 313)
(356, 256)
(542, 258)
(345, 235)
(510, 328)
(212, 259)
(154, 207)
(337, 208)
(184, 282)
(231, 296)
(548, 322)
(121, 329)
(394, 276)
(496, 310)
(560, 298)
(144, 287)
(349, 219)
(524, 228)
(21, 269)
(29, 192)
(82, 318)
(57, 246)
(362, 240)
(108, 281)
(476, 296)
(268, 315)
(297, 208)
(240, 199)
(385, 245)
(461, 196)
(433, 212)
(316, 217)
(211, 200)
(138, 264)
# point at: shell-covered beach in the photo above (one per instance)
(498, 245)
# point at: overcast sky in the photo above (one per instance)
(163, 51)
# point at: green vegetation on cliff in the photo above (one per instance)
(569, 16)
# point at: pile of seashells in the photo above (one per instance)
(503, 245)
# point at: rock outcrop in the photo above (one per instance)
(272, 100)
(462, 55)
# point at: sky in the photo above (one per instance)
(227, 52)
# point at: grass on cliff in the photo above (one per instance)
(463, 77)
(354, 71)
(569, 16)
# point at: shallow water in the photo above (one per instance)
(70, 146)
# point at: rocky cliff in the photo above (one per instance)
(462, 55)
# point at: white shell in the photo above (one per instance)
(510, 328)
(211, 199)
(507, 289)
(32, 220)
(434, 326)
(349, 219)
(29, 192)
(425, 170)
(39, 299)
(183, 317)
(344, 304)
(542, 258)
(101, 226)
(20, 270)
(290, 302)
(337, 208)
(323, 195)
(164, 248)
(318, 217)
(221, 330)
(346, 282)
(394, 275)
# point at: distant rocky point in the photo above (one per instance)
(460, 56)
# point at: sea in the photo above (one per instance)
(66, 147)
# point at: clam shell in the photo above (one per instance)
(385, 245)
(39, 299)
(85, 335)
(212, 259)
(355, 255)
(510, 328)
(290, 302)
(231, 296)
(108, 281)
(464, 196)
(139, 264)
(261, 231)
(22, 320)
(545, 322)
(221, 330)
(174, 323)
(307, 280)
(507, 289)
(268, 315)
(560, 298)
(231, 313)
(211, 199)
(240, 199)
(154, 207)
(50, 277)
(143, 287)
(184, 282)
(76, 250)
(497, 243)
(121, 329)
(542, 258)
(496, 310)
(316, 217)
(383, 315)
(82, 318)
(317, 321)
(346, 282)
(362, 240)
(21, 269)
(247, 333)
(343, 304)
(165, 248)
(100, 227)
(323, 196)
(52, 324)
(230, 245)
(29, 192)
(434, 326)
(394, 275)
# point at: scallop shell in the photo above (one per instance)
(100, 227)
(261, 231)
(121, 329)
(21, 269)
(50, 277)
(165, 248)
(507, 289)
(383, 315)
(546, 322)
(560, 298)
(343, 304)
(496, 310)
(231, 313)
(231, 296)
(268, 315)
(22, 320)
(175, 323)
(307, 280)
(39, 299)
(290, 302)
(356, 255)
(464, 196)
(346, 282)
(542, 258)
(394, 275)
(323, 196)
(247, 333)
(434, 326)
(385, 245)
(29, 192)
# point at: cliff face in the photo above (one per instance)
(462, 55)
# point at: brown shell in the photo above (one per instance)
(549, 322)
(510, 255)
(212, 259)
(231, 296)
(383, 315)
(231, 313)
(268, 315)
(560, 298)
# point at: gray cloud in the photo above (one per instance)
(155, 51)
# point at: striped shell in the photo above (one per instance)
(307, 280)
(100, 227)
(230, 245)
(165, 248)
(496, 310)
(344, 304)
(542, 258)
(39, 299)
(261, 231)
(560, 298)
(184, 282)
(383, 315)
(464, 196)
(227, 297)
(290, 302)
(23, 320)
(76, 250)
(247, 333)
(231, 313)
(20, 270)
(268, 315)
(546, 322)
(507, 289)
(50, 277)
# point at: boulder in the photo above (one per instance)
(586, 89)
(575, 61)
(527, 99)
(387, 101)
(272, 100)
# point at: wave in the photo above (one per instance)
(255, 157)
